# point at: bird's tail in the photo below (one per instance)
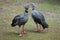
(44, 24)
(13, 23)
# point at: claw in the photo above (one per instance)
(20, 35)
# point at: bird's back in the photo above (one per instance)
(20, 19)
(37, 15)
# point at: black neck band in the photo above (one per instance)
(26, 11)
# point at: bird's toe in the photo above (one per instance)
(25, 32)
(20, 35)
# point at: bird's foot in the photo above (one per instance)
(36, 30)
(20, 35)
(24, 32)
(45, 30)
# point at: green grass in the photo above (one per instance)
(52, 16)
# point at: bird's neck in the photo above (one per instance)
(26, 11)
(33, 8)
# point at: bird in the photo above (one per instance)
(38, 18)
(21, 20)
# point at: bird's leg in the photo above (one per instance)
(36, 27)
(21, 31)
(40, 29)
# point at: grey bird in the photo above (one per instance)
(21, 20)
(38, 18)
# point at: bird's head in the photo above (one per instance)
(26, 6)
(33, 4)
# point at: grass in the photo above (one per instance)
(52, 16)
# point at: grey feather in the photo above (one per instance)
(38, 17)
(21, 19)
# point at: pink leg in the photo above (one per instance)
(21, 29)
(36, 27)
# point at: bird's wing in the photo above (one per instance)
(18, 18)
(41, 16)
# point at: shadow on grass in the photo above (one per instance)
(11, 34)
(36, 31)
